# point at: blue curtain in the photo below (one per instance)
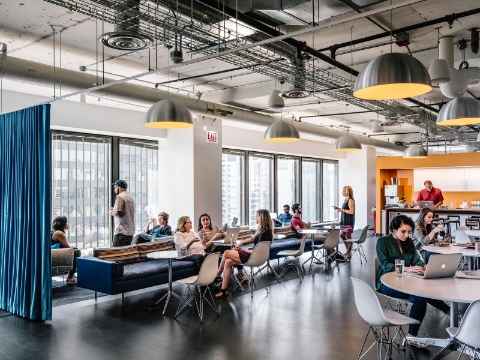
(25, 253)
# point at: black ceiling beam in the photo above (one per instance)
(448, 18)
(297, 44)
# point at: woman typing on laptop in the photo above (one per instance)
(398, 245)
(425, 233)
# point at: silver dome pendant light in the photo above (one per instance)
(346, 142)
(392, 76)
(279, 131)
(169, 114)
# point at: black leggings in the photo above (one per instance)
(197, 258)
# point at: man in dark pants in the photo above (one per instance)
(123, 213)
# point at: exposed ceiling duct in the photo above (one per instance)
(29, 72)
(126, 35)
(298, 90)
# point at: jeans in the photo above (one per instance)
(419, 306)
(427, 256)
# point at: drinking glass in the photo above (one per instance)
(451, 205)
(399, 266)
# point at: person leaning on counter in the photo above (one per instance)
(431, 193)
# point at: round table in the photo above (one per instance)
(313, 232)
(447, 289)
(452, 249)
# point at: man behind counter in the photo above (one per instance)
(431, 193)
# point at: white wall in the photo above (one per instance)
(237, 138)
(358, 171)
(73, 116)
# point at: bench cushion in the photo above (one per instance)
(145, 248)
(121, 254)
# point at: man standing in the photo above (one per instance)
(286, 217)
(431, 194)
(123, 214)
(296, 221)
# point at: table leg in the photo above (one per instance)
(312, 257)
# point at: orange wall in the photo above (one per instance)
(397, 166)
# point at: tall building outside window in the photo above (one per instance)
(233, 187)
(330, 191)
(287, 182)
(311, 190)
(260, 184)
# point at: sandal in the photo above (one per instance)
(221, 294)
(71, 281)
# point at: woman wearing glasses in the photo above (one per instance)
(188, 240)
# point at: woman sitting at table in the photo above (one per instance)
(188, 240)
(398, 245)
(161, 227)
(425, 233)
(208, 232)
(239, 256)
(59, 226)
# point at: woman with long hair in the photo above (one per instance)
(425, 232)
(399, 245)
(208, 233)
(58, 236)
(188, 240)
(347, 218)
(239, 256)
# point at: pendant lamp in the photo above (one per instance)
(415, 152)
(439, 72)
(392, 76)
(347, 143)
(376, 127)
(460, 111)
(168, 114)
(275, 101)
(281, 131)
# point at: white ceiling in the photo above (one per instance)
(26, 27)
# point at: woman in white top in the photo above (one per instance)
(187, 239)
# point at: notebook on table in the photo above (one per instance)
(426, 204)
(440, 266)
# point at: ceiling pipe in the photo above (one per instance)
(29, 72)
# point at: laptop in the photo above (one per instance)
(234, 222)
(231, 236)
(426, 204)
(274, 215)
(440, 266)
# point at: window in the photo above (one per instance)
(260, 184)
(311, 190)
(287, 182)
(233, 199)
(75, 158)
(330, 190)
(139, 168)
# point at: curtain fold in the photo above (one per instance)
(25, 253)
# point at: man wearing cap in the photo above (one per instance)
(123, 213)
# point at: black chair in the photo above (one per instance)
(473, 222)
(454, 219)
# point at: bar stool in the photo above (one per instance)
(444, 222)
(473, 222)
(454, 219)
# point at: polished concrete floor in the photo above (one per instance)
(316, 319)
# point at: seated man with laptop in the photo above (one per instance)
(399, 245)
(430, 193)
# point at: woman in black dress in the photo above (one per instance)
(239, 256)
(347, 218)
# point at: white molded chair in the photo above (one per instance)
(260, 255)
(331, 243)
(205, 277)
(402, 306)
(467, 334)
(357, 244)
(379, 319)
(295, 263)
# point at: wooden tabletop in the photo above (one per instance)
(447, 289)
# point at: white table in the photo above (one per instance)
(447, 289)
(170, 255)
(313, 232)
(453, 249)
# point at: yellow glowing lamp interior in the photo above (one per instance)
(168, 125)
(392, 91)
(347, 149)
(460, 121)
(281, 139)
